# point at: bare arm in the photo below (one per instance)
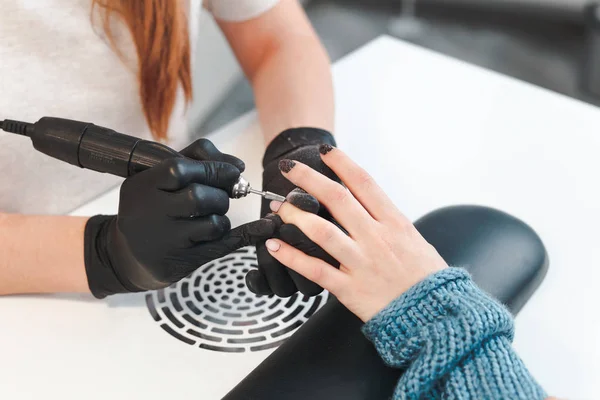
(41, 254)
(289, 70)
(287, 66)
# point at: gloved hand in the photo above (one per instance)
(300, 144)
(171, 221)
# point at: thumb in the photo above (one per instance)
(177, 173)
(249, 234)
(252, 233)
(303, 200)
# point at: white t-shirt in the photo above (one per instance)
(53, 62)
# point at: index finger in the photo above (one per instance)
(249, 234)
(336, 198)
(177, 173)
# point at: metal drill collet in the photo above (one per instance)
(242, 188)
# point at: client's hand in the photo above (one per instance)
(271, 277)
(383, 254)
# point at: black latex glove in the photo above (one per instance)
(171, 221)
(300, 144)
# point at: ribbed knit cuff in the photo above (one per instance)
(401, 329)
(438, 328)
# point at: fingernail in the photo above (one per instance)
(325, 148)
(275, 205)
(303, 200)
(275, 219)
(286, 165)
(273, 245)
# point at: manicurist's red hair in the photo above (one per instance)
(160, 32)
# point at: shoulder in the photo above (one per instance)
(238, 10)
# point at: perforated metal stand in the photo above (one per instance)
(213, 310)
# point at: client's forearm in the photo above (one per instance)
(41, 254)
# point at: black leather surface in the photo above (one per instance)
(329, 358)
(504, 255)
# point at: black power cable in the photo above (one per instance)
(18, 127)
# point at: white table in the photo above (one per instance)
(433, 131)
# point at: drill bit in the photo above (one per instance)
(268, 195)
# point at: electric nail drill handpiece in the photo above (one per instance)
(104, 150)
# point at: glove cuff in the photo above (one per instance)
(294, 138)
(102, 279)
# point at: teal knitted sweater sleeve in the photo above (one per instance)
(453, 341)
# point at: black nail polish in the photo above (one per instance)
(303, 201)
(325, 148)
(286, 165)
(298, 191)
